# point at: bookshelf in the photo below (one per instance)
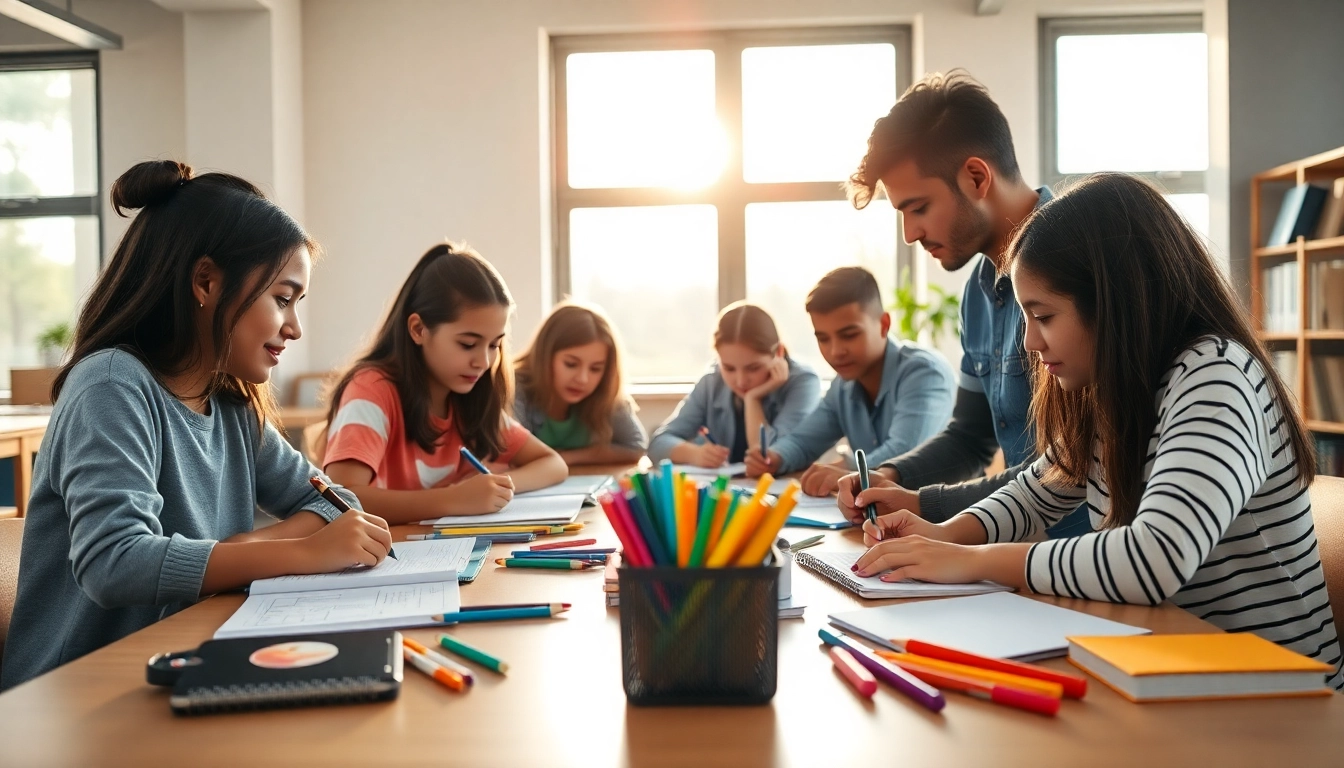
(1296, 332)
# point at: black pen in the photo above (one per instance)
(862, 461)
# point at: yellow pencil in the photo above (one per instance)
(754, 552)
(743, 524)
(716, 522)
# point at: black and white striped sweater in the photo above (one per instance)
(1224, 524)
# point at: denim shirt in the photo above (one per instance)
(914, 402)
(993, 359)
(710, 404)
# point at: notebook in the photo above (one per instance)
(475, 562)
(396, 593)
(731, 470)
(812, 512)
(588, 485)
(835, 566)
(1208, 666)
(1001, 625)
(269, 672)
(541, 510)
(437, 560)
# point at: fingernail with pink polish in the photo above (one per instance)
(854, 568)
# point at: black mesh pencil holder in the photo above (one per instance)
(700, 635)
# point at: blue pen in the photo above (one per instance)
(475, 462)
(862, 461)
(764, 453)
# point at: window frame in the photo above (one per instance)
(1051, 29)
(71, 205)
(731, 193)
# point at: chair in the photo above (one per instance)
(11, 540)
(1327, 515)
(315, 442)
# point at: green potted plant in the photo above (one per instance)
(53, 342)
(32, 386)
(940, 314)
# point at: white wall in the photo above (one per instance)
(422, 122)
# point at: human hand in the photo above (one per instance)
(354, 538)
(886, 495)
(822, 479)
(778, 376)
(479, 495)
(758, 465)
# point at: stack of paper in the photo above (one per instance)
(404, 592)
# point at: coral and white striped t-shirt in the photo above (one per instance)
(369, 428)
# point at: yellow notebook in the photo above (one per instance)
(1206, 666)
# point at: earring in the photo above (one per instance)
(202, 305)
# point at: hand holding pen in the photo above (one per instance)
(355, 537)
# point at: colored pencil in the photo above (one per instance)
(501, 606)
(594, 557)
(440, 659)
(559, 552)
(768, 531)
(686, 514)
(1006, 695)
(1074, 687)
(716, 525)
(858, 675)
(498, 538)
(639, 555)
(500, 614)
(706, 518)
(473, 461)
(742, 525)
(448, 677)
(989, 676)
(336, 501)
(536, 562)
(649, 529)
(918, 690)
(473, 654)
(862, 460)
(562, 544)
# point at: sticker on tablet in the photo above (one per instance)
(304, 653)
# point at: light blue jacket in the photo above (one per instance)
(710, 404)
(913, 404)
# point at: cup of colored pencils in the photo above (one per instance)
(699, 586)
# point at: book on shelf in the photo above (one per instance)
(1329, 457)
(1279, 296)
(1327, 295)
(1323, 407)
(1298, 215)
(1332, 215)
(1285, 363)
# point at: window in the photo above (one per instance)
(49, 196)
(695, 170)
(1128, 94)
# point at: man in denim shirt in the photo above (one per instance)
(945, 157)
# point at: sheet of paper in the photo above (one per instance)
(342, 610)
(438, 560)
(731, 470)
(821, 514)
(542, 510)
(588, 485)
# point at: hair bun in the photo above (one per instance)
(148, 183)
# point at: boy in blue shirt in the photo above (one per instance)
(888, 397)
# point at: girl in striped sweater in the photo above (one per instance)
(1156, 407)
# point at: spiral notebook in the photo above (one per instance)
(835, 566)
(304, 670)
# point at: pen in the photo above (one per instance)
(805, 543)
(434, 670)
(857, 674)
(440, 659)
(764, 454)
(338, 502)
(704, 432)
(475, 462)
(1074, 686)
(862, 461)
(923, 693)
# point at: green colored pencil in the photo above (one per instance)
(544, 562)
(472, 654)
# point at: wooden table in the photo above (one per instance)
(21, 431)
(562, 704)
(294, 417)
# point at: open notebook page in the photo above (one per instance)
(588, 485)
(416, 561)
(542, 510)
(342, 610)
(835, 565)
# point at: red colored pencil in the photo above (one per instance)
(1074, 686)
(562, 544)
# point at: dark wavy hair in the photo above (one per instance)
(938, 122)
(448, 279)
(1144, 283)
(143, 301)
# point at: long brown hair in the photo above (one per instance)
(574, 325)
(1144, 283)
(748, 325)
(448, 279)
(143, 302)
